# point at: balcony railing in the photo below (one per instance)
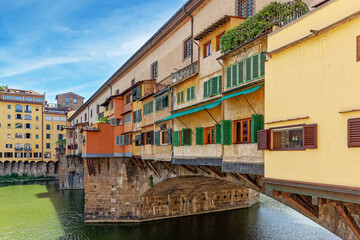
(60, 150)
(28, 149)
(296, 9)
(19, 148)
(184, 73)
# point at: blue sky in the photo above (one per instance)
(68, 45)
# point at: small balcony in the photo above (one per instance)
(184, 73)
(60, 150)
(28, 149)
(19, 148)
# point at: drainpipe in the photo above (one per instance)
(192, 31)
(222, 104)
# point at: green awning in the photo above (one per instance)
(211, 105)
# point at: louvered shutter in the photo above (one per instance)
(151, 140)
(142, 140)
(226, 132)
(178, 97)
(240, 72)
(256, 124)
(134, 116)
(262, 64)
(205, 90)
(156, 104)
(169, 135)
(217, 134)
(228, 77)
(182, 96)
(186, 137)
(134, 95)
(138, 92)
(354, 132)
(255, 66)
(310, 136)
(157, 138)
(214, 86)
(263, 139)
(176, 138)
(188, 96)
(199, 136)
(248, 69)
(234, 70)
(139, 116)
(219, 84)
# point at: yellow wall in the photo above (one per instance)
(54, 135)
(318, 78)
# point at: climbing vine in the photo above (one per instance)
(274, 14)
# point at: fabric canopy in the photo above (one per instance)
(211, 105)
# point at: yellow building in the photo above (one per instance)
(312, 100)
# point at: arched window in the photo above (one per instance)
(18, 116)
(18, 135)
(18, 108)
(18, 146)
(18, 125)
(27, 147)
(27, 135)
(28, 125)
(27, 117)
(28, 108)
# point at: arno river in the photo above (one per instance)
(38, 210)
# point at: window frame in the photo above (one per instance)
(249, 122)
(187, 48)
(178, 98)
(206, 47)
(271, 139)
(212, 135)
(154, 70)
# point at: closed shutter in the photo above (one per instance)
(138, 92)
(214, 86)
(133, 93)
(205, 90)
(178, 97)
(142, 139)
(176, 138)
(256, 124)
(248, 69)
(139, 118)
(219, 84)
(310, 136)
(157, 138)
(193, 92)
(188, 94)
(157, 104)
(217, 134)
(226, 132)
(354, 132)
(199, 136)
(169, 135)
(228, 77)
(186, 137)
(182, 96)
(117, 141)
(255, 66)
(234, 70)
(263, 139)
(134, 116)
(262, 64)
(240, 72)
(151, 140)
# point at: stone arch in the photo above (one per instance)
(41, 168)
(1, 168)
(7, 168)
(33, 168)
(27, 167)
(20, 167)
(14, 167)
(50, 170)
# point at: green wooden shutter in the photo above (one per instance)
(199, 136)
(193, 92)
(226, 132)
(176, 138)
(138, 92)
(139, 118)
(157, 138)
(186, 137)
(248, 69)
(134, 116)
(214, 86)
(182, 96)
(241, 72)
(255, 66)
(142, 139)
(219, 84)
(188, 96)
(256, 124)
(205, 90)
(228, 77)
(234, 70)
(168, 135)
(262, 64)
(217, 134)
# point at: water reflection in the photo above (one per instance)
(63, 219)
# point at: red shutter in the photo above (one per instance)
(354, 132)
(263, 139)
(310, 136)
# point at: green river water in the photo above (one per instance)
(39, 210)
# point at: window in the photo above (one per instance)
(37, 109)
(111, 106)
(27, 117)
(27, 125)
(123, 140)
(127, 118)
(29, 99)
(63, 119)
(37, 155)
(75, 101)
(244, 8)
(242, 131)
(209, 134)
(27, 135)
(18, 155)
(137, 117)
(27, 147)
(36, 126)
(91, 114)
(8, 154)
(218, 47)
(207, 49)
(19, 98)
(60, 137)
(27, 155)
(149, 137)
(9, 116)
(67, 101)
(190, 93)
(180, 97)
(148, 108)
(48, 118)
(18, 147)
(354, 132)
(47, 155)
(56, 118)
(162, 102)
(37, 118)
(47, 145)
(37, 146)
(154, 70)
(47, 136)
(18, 125)
(287, 138)
(213, 86)
(18, 108)
(9, 106)
(8, 145)
(37, 136)
(27, 108)
(127, 98)
(18, 135)
(133, 82)
(8, 97)
(9, 125)
(58, 127)
(186, 137)
(187, 48)
(9, 135)
(38, 100)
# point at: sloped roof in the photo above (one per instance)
(71, 93)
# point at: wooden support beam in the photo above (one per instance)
(194, 171)
(298, 202)
(136, 163)
(98, 163)
(93, 167)
(141, 163)
(249, 181)
(349, 219)
(152, 167)
(168, 167)
(88, 167)
(108, 164)
(217, 171)
(203, 169)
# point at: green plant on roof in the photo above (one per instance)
(60, 142)
(2, 88)
(274, 14)
(103, 120)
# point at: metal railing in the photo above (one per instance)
(294, 10)
(184, 72)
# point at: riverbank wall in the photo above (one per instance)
(35, 168)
